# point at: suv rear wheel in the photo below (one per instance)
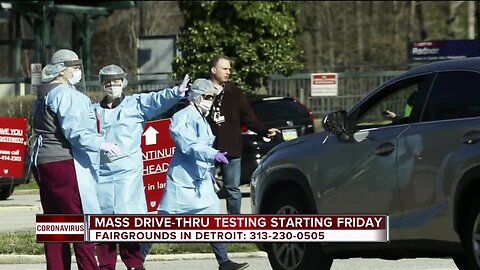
(6, 191)
(294, 256)
(471, 240)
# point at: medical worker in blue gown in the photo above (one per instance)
(122, 121)
(67, 153)
(190, 186)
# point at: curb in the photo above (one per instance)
(40, 259)
(15, 208)
(26, 192)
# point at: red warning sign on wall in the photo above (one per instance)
(324, 84)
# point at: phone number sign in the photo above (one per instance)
(13, 146)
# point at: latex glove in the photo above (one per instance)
(184, 86)
(220, 157)
(110, 148)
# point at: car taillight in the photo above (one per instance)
(310, 113)
(243, 128)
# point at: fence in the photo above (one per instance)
(352, 86)
(137, 86)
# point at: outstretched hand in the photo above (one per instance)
(184, 85)
(272, 132)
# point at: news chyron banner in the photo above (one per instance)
(213, 228)
(158, 149)
(13, 146)
(60, 228)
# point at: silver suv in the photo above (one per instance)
(410, 149)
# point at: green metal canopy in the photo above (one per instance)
(40, 15)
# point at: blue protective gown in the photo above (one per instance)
(78, 122)
(189, 180)
(120, 188)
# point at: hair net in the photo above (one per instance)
(57, 64)
(112, 72)
(201, 87)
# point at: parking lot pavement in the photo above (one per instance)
(261, 263)
(18, 212)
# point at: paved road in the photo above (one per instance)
(18, 214)
(20, 210)
(262, 264)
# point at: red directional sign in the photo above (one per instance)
(158, 149)
(13, 146)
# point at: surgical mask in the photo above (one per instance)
(205, 106)
(76, 77)
(114, 91)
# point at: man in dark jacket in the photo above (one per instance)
(230, 109)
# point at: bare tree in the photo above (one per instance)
(420, 19)
(452, 21)
(359, 25)
(331, 52)
(471, 19)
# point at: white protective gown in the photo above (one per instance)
(189, 182)
(121, 189)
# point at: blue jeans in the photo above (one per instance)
(231, 180)
(219, 249)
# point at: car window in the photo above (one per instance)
(453, 95)
(274, 110)
(396, 104)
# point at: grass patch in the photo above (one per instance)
(31, 185)
(24, 243)
(20, 243)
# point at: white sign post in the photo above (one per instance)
(324, 84)
(36, 72)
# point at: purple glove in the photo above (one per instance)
(110, 148)
(220, 157)
(184, 86)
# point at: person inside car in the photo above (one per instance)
(396, 119)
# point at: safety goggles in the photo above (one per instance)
(208, 96)
(113, 82)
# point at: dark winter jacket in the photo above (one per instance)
(237, 110)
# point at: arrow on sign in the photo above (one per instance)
(150, 135)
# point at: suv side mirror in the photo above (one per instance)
(335, 122)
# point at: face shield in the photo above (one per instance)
(202, 93)
(113, 80)
(78, 75)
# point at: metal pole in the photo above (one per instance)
(86, 46)
(142, 18)
(18, 59)
(477, 25)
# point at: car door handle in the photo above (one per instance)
(471, 137)
(384, 149)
